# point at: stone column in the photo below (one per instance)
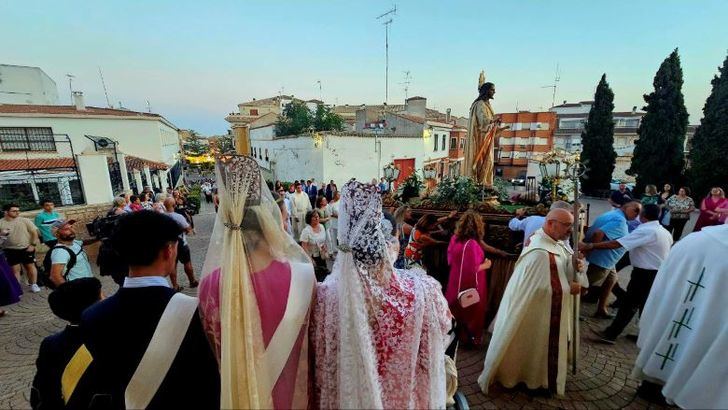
(138, 180)
(65, 190)
(148, 175)
(121, 158)
(242, 139)
(163, 183)
(94, 171)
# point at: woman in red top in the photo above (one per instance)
(713, 209)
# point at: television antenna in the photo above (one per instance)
(407, 81)
(70, 85)
(321, 94)
(557, 78)
(106, 93)
(387, 24)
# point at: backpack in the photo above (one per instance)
(45, 273)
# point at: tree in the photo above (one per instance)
(297, 118)
(659, 155)
(194, 146)
(326, 120)
(598, 140)
(709, 148)
(225, 144)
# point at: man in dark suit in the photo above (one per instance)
(58, 350)
(118, 331)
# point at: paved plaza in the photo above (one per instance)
(603, 380)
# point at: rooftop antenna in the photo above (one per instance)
(106, 93)
(280, 91)
(386, 24)
(557, 78)
(407, 81)
(321, 94)
(149, 107)
(70, 85)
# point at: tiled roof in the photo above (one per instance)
(133, 162)
(412, 118)
(70, 110)
(36, 163)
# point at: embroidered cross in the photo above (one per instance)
(670, 355)
(678, 325)
(694, 286)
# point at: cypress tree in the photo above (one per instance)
(659, 155)
(597, 140)
(709, 151)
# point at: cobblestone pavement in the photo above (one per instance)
(29, 321)
(602, 382)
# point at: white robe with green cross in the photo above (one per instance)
(684, 326)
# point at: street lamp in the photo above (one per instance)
(551, 170)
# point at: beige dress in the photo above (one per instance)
(482, 118)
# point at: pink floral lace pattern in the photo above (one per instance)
(379, 335)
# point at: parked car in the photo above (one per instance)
(614, 185)
(519, 180)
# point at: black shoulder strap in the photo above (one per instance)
(71, 262)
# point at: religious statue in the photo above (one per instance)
(483, 128)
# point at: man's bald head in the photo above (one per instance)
(169, 204)
(558, 224)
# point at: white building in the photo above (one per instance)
(571, 118)
(407, 138)
(60, 142)
(26, 85)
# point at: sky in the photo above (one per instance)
(194, 61)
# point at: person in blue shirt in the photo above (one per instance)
(44, 220)
(610, 226)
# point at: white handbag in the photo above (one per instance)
(467, 297)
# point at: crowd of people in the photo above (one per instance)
(319, 297)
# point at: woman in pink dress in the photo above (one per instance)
(255, 295)
(468, 266)
(713, 209)
(379, 333)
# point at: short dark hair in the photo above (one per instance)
(297, 184)
(142, 250)
(318, 200)
(46, 201)
(133, 198)
(651, 212)
(687, 190)
(7, 207)
(309, 216)
(71, 298)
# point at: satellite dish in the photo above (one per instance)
(103, 142)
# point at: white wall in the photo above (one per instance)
(145, 138)
(26, 85)
(290, 158)
(95, 178)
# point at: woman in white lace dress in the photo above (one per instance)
(379, 333)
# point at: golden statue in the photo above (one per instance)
(483, 128)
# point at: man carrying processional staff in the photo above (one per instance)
(483, 128)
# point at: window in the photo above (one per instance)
(444, 141)
(453, 144)
(255, 153)
(253, 111)
(266, 154)
(434, 138)
(462, 143)
(26, 139)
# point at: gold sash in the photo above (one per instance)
(73, 372)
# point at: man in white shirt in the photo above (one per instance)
(533, 223)
(648, 247)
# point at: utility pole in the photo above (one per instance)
(386, 49)
(557, 78)
(70, 85)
